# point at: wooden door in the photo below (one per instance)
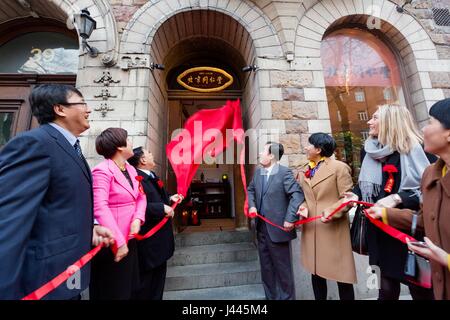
(15, 110)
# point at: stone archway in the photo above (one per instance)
(157, 27)
(140, 30)
(409, 38)
(138, 42)
(139, 35)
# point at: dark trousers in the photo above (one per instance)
(320, 288)
(390, 290)
(112, 280)
(152, 283)
(276, 266)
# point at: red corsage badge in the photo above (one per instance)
(160, 184)
(139, 179)
(390, 169)
(308, 173)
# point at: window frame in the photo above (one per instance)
(394, 50)
(25, 82)
(18, 27)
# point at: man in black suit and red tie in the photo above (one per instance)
(154, 251)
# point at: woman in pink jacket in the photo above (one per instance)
(120, 206)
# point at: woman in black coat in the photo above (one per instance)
(394, 145)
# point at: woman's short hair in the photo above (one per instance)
(45, 96)
(137, 155)
(109, 140)
(397, 128)
(324, 142)
(441, 112)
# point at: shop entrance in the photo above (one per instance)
(216, 192)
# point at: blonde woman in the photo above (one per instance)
(393, 161)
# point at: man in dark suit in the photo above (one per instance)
(275, 194)
(154, 251)
(46, 217)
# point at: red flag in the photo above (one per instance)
(204, 134)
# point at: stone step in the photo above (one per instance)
(213, 237)
(244, 292)
(214, 253)
(212, 275)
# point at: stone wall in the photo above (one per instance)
(290, 77)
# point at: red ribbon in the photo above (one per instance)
(63, 276)
(403, 237)
(307, 220)
(157, 227)
(58, 280)
(390, 230)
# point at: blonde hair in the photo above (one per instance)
(397, 128)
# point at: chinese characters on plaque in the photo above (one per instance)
(205, 79)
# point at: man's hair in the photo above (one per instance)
(441, 112)
(137, 155)
(276, 149)
(109, 140)
(45, 96)
(324, 142)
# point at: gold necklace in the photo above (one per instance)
(122, 168)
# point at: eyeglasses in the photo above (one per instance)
(84, 104)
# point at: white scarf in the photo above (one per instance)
(370, 178)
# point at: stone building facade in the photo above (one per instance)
(283, 38)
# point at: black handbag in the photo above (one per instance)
(417, 268)
(358, 232)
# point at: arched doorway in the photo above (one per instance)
(216, 41)
(33, 51)
(212, 197)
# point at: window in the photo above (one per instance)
(365, 135)
(363, 116)
(6, 127)
(359, 96)
(361, 72)
(387, 94)
(41, 53)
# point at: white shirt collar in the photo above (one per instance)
(148, 172)
(67, 134)
(269, 169)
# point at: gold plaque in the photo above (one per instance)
(205, 79)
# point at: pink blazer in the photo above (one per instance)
(116, 204)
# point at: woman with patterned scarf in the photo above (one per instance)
(393, 161)
(326, 250)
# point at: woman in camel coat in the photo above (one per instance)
(326, 250)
